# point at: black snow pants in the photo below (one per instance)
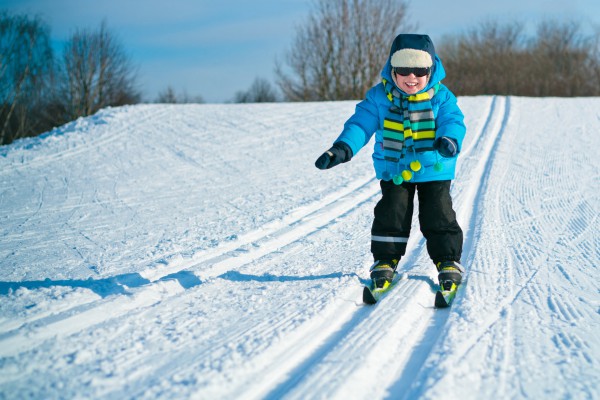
(437, 219)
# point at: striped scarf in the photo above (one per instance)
(410, 123)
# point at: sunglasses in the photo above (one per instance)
(406, 71)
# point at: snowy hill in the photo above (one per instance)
(193, 251)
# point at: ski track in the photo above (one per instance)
(164, 282)
(252, 245)
(320, 341)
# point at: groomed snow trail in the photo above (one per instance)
(195, 251)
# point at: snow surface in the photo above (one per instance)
(194, 251)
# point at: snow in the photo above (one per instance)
(194, 251)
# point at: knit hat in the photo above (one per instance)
(412, 51)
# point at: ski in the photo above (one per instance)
(445, 295)
(372, 295)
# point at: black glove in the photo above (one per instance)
(447, 147)
(340, 152)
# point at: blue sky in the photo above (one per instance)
(214, 48)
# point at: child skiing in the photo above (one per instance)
(419, 130)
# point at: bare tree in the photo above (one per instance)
(260, 91)
(564, 61)
(169, 96)
(479, 59)
(338, 54)
(96, 73)
(25, 71)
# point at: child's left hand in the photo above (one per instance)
(447, 147)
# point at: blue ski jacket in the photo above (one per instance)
(368, 120)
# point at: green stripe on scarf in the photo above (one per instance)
(410, 124)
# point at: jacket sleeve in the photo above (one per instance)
(359, 128)
(450, 119)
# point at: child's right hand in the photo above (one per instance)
(339, 153)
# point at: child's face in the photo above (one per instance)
(410, 84)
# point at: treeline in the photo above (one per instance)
(557, 60)
(337, 54)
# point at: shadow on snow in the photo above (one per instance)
(103, 287)
(236, 276)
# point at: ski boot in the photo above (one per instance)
(449, 276)
(449, 273)
(382, 273)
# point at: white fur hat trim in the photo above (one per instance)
(411, 58)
